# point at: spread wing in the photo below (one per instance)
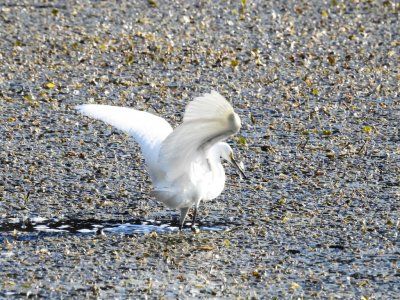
(148, 130)
(207, 120)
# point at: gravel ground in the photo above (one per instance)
(316, 86)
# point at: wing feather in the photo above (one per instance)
(148, 130)
(207, 120)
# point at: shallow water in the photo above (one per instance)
(33, 228)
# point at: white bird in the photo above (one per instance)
(184, 164)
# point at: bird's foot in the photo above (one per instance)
(195, 229)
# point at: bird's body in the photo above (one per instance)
(184, 164)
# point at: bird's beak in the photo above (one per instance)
(238, 166)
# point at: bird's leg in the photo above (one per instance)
(194, 217)
(184, 212)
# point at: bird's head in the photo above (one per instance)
(226, 153)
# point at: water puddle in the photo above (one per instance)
(30, 228)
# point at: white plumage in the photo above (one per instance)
(184, 164)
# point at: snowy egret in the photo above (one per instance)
(184, 164)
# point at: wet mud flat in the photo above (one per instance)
(316, 86)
